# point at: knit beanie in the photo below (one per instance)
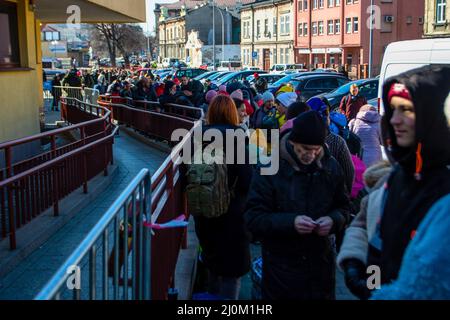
(287, 98)
(210, 95)
(308, 128)
(237, 94)
(223, 88)
(268, 96)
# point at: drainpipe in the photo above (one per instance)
(253, 34)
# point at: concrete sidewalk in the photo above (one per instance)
(25, 281)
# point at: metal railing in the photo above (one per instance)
(30, 187)
(125, 217)
(83, 94)
(160, 200)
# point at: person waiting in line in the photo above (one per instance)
(293, 213)
(351, 103)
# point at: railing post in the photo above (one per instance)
(105, 170)
(12, 225)
(83, 137)
(55, 191)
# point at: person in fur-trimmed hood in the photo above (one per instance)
(294, 211)
(417, 136)
(352, 258)
(424, 272)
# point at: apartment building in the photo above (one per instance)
(267, 33)
(337, 32)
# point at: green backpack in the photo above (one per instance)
(207, 189)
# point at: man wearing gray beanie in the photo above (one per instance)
(293, 213)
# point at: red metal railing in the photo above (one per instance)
(32, 186)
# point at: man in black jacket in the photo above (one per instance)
(293, 213)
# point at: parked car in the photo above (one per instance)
(248, 68)
(229, 66)
(313, 85)
(205, 75)
(270, 78)
(286, 79)
(236, 76)
(215, 77)
(280, 68)
(368, 88)
(169, 62)
(190, 72)
(325, 70)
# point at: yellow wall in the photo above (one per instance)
(21, 91)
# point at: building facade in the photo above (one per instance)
(184, 26)
(437, 18)
(330, 33)
(267, 33)
(172, 36)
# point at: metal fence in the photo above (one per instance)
(30, 187)
(128, 255)
(163, 201)
(83, 94)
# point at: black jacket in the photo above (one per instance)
(410, 196)
(225, 240)
(297, 266)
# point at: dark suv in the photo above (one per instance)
(313, 85)
(190, 72)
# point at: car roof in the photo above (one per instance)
(320, 75)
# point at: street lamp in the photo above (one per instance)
(214, 34)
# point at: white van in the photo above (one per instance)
(402, 56)
(280, 68)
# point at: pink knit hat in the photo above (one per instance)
(237, 94)
(210, 95)
(223, 88)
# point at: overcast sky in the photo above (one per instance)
(150, 4)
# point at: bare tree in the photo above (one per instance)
(114, 38)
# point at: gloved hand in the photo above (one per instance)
(356, 278)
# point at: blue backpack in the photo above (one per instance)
(339, 126)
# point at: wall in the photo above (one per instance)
(21, 94)
(430, 18)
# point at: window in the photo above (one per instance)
(349, 58)
(300, 29)
(349, 1)
(275, 27)
(314, 84)
(288, 24)
(281, 55)
(337, 3)
(337, 26)
(258, 28)
(332, 60)
(321, 3)
(9, 36)
(305, 29)
(355, 25)
(320, 27)
(305, 5)
(314, 28)
(440, 11)
(348, 23)
(282, 29)
(274, 56)
(315, 4)
(330, 27)
(330, 3)
(300, 5)
(266, 27)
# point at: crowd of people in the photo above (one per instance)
(334, 200)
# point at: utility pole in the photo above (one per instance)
(214, 36)
(371, 39)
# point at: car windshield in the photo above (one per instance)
(218, 75)
(346, 87)
(226, 78)
(285, 79)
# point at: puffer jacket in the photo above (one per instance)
(366, 126)
(297, 266)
